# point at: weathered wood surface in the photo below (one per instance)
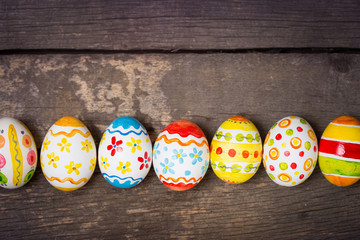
(174, 25)
(158, 89)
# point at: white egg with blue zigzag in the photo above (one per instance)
(125, 153)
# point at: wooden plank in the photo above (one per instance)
(158, 89)
(179, 25)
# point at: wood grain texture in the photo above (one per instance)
(174, 25)
(158, 89)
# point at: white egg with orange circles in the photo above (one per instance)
(290, 151)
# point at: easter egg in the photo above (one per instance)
(181, 155)
(18, 154)
(236, 150)
(290, 151)
(339, 152)
(125, 153)
(68, 154)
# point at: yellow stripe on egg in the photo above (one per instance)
(16, 156)
(229, 152)
(338, 132)
(234, 178)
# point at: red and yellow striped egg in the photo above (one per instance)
(339, 153)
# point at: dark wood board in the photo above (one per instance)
(158, 89)
(178, 25)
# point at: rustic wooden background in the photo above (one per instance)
(157, 61)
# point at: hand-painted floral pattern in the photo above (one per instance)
(213, 164)
(53, 159)
(93, 163)
(167, 166)
(41, 162)
(144, 161)
(64, 145)
(46, 144)
(135, 144)
(86, 145)
(124, 167)
(179, 155)
(104, 162)
(156, 150)
(73, 168)
(196, 156)
(205, 167)
(103, 138)
(115, 146)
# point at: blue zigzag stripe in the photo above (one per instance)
(127, 133)
(114, 176)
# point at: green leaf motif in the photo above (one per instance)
(222, 166)
(3, 178)
(257, 137)
(249, 167)
(228, 136)
(219, 135)
(29, 175)
(235, 168)
(240, 137)
(249, 138)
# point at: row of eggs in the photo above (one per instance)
(181, 153)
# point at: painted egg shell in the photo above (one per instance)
(125, 153)
(181, 155)
(68, 154)
(339, 152)
(18, 154)
(290, 151)
(236, 150)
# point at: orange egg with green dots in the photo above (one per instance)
(290, 151)
(235, 150)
